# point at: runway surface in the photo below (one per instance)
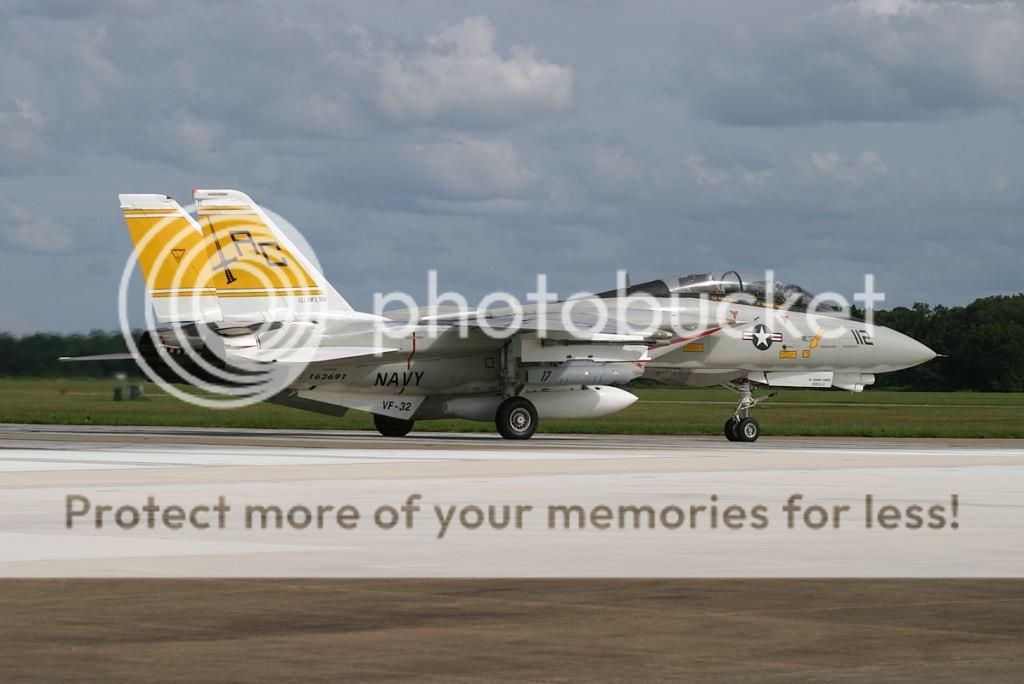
(496, 629)
(85, 455)
(51, 454)
(72, 436)
(553, 506)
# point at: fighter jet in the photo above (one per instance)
(754, 331)
(242, 307)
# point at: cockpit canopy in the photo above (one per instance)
(733, 286)
(732, 282)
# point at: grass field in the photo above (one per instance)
(659, 411)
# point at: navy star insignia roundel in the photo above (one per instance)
(762, 337)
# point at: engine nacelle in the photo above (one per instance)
(223, 345)
(199, 353)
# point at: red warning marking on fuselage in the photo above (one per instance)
(408, 361)
(681, 340)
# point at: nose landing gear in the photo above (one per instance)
(741, 427)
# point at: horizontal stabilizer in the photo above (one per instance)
(297, 402)
(120, 356)
(393, 405)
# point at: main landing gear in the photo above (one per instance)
(516, 418)
(741, 427)
(392, 427)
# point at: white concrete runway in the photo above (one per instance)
(954, 506)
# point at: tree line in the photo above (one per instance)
(36, 355)
(983, 344)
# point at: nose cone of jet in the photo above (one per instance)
(899, 351)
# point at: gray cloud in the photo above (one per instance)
(458, 77)
(21, 143)
(73, 9)
(402, 141)
(190, 89)
(873, 60)
(26, 231)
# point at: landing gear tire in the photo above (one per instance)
(392, 427)
(516, 418)
(741, 427)
(748, 430)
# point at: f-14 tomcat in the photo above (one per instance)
(242, 301)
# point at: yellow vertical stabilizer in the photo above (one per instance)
(257, 271)
(173, 260)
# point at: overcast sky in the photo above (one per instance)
(495, 140)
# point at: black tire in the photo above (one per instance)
(748, 430)
(392, 427)
(730, 430)
(516, 418)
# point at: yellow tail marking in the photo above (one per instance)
(245, 254)
(169, 251)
